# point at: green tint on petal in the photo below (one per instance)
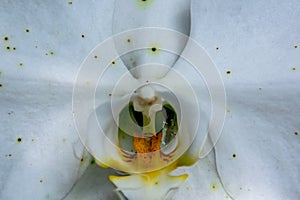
(143, 4)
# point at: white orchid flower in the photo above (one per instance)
(255, 46)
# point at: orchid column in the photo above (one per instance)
(155, 114)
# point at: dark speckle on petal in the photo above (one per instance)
(19, 140)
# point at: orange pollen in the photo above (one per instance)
(146, 145)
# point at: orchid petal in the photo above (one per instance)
(255, 47)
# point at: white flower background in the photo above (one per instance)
(255, 45)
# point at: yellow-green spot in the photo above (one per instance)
(294, 68)
(213, 186)
(51, 53)
(154, 50)
(19, 140)
(5, 38)
(7, 48)
(92, 162)
(20, 64)
(70, 2)
(227, 110)
(143, 4)
(83, 160)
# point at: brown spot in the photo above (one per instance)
(27, 30)
(228, 72)
(19, 139)
(294, 68)
(95, 56)
(234, 155)
(217, 48)
(113, 62)
(81, 160)
(296, 46)
(7, 47)
(41, 181)
(70, 2)
(14, 48)
(153, 49)
(296, 133)
(109, 94)
(5, 38)
(1, 85)
(128, 40)
(82, 36)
